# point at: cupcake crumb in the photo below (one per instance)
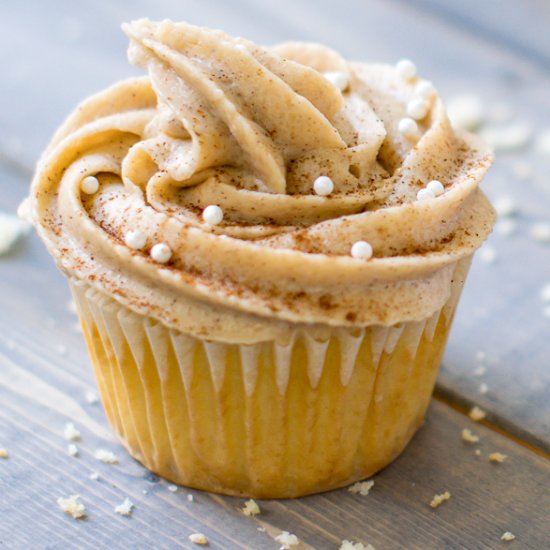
(70, 432)
(507, 536)
(483, 388)
(437, 500)
(251, 508)
(173, 488)
(348, 545)
(540, 232)
(4, 453)
(91, 397)
(94, 476)
(190, 498)
(361, 487)
(72, 450)
(125, 508)
(105, 456)
(198, 538)
(477, 413)
(287, 540)
(469, 436)
(497, 457)
(71, 507)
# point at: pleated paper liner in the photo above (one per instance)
(266, 420)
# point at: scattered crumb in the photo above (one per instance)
(91, 397)
(348, 545)
(190, 497)
(522, 169)
(71, 507)
(287, 540)
(506, 227)
(507, 536)
(262, 529)
(483, 388)
(478, 452)
(105, 456)
(72, 449)
(509, 137)
(465, 111)
(505, 206)
(198, 538)
(361, 487)
(125, 509)
(437, 500)
(94, 476)
(488, 254)
(497, 457)
(173, 488)
(11, 230)
(469, 436)
(251, 508)
(480, 371)
(540, 232)
(4, 453)
(70, 432)
(477, 413)
(542, 143)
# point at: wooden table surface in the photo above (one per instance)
(52, 54)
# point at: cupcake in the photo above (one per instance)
(266, 247)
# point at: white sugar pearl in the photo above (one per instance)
(436, 188)
(90, 185)
(338, 78)
(424, 195)
(135, 240)
(417, 109)
(212, 214)
(425, 89)
(406, 69)
(323, 186)
(408, 127)
(361, 249)
(161, 253)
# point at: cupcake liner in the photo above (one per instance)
(266, 420)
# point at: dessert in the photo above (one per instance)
(266, 247)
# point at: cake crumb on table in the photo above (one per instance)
(72, 450)
(348, 545)
(173, 488)
(190, 498)
(4, 453)
(108, 457)
(94, 476)
(477, 413)
(497, 457)
(70, 433)
(251, 508)
(469, 436)
(125, 508)
(507, 536)
(71, 507)
(361, 487)
(287, 540)
(437, 500)
(198, 538)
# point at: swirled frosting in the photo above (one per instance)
(222, 121)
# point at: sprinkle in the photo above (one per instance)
(338, 79)
(436, 187)
(406, 69)
(198, 538)
(437, 500)
(348, 545)
(105, 456)
(287, 540)
(497, 457)
(91, 397)
(251, 508)
(190, 498)
(424, 195)
(4, 453)
(323, 186)
(540, 232)
(417, 108)
(408, 127)
(545, 293)
(507, 536)
(70, 432)
(361, 487)
(465, 111)
(507, 138)
(161, 253)
(135, 240)
(469, 436)
(72, 449)
(488, 254)
(94, 476)
(477, 413)
(361, 250)
(173, 488)
(71, 507)
(483, 388)
(505, 206)
(212, 214)
(425, 89)
(89, 185)
(506, 227)
(125, 508)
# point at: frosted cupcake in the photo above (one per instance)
(266, 247)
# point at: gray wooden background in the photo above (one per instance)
(52, 54)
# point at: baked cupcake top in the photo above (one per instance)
(238, 192)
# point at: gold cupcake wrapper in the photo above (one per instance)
(267, 420)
